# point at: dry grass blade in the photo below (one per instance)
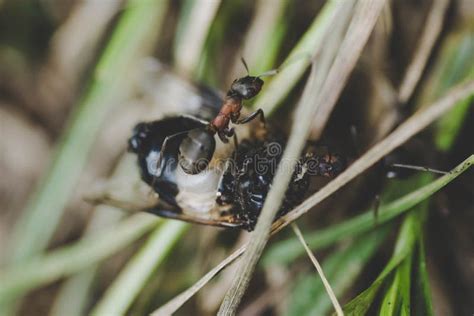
(191, 42)
(318, 267)
(274, 199)
(432, 29)
(412, 126)
(173, 305)
(363, 22)
(260, 37)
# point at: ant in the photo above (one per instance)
(197, 146)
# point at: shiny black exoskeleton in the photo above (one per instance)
(246, 183)
(239, 195)
(147, 141)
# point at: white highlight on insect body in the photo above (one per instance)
(198, 192)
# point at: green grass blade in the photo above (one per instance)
(453, 66)
(422, 302)
(75, 294)
(297, 61)
(405, 243)
(309, 296)
(127, 286)
(263, 38)
(18, 279)
(193, 28)
(397, 299)
(407, 237)
(133, 37)
(286, 251)
(391, 301)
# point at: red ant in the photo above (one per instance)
(197, 146)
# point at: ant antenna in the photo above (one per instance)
(245, 65)
(265, 74)
(419, 168)
(268, 73)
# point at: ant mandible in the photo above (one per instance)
(198, 145)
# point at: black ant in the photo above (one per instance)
(197, 146)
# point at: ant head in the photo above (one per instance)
(247, 87)
(331, 165)
(196, 150)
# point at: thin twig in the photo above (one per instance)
(433, 27)
(318, 267)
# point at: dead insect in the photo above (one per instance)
(245, 184)
(147, 142)
(230, 194)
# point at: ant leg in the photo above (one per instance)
(167, 147)
(222, 136)
(230, 132)
(252, 116)
(236, 142)
(107, 198)
(419, 168)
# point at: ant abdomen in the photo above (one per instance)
(196, 151)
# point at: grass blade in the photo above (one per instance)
(132, 38)
(263, 38)
(309, 296)
(361, 304)
(422, 302)
(310, 103)
(194, 23)
(287, 251)
(126, 287)
(410, 127)
(408, 201)
(19, 279)
(299, 59)
(432, 30)
(318, 267)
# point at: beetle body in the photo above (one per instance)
(147, 141)
(246, 184)
(227, 195)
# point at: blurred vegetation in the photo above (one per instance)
(75, 76)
